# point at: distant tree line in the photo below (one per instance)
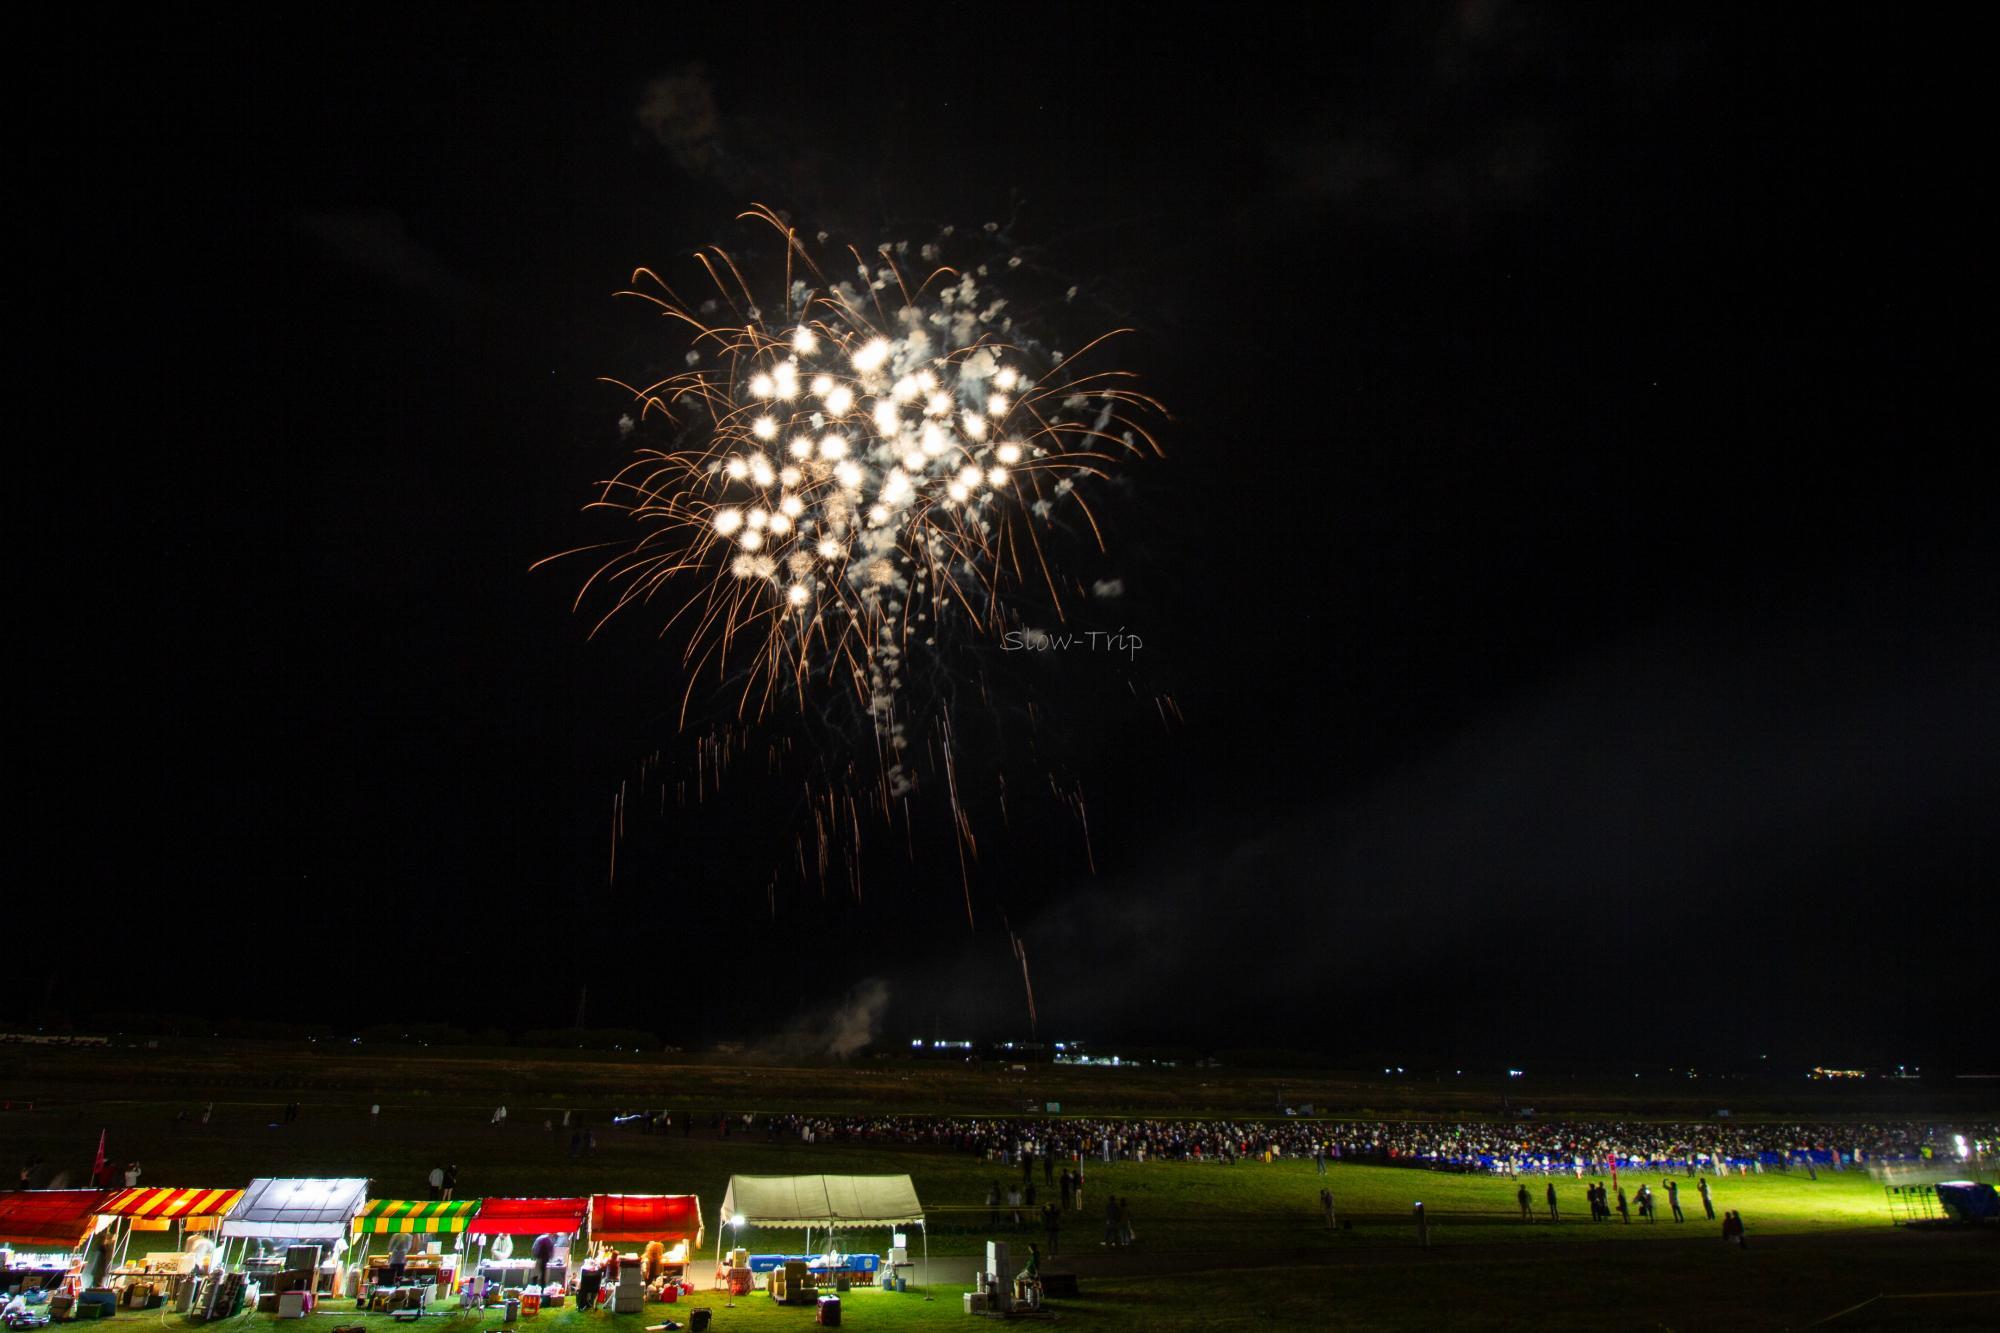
(193, 1027)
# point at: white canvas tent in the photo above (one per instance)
(298, 1209)
(820, 1201)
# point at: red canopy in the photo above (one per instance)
(528, 1217)
(58, 1219)
(661, 1217)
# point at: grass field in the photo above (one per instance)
(1217, 1246)
(1878, 1280)
(1175, 1205)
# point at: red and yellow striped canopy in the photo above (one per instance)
(160, 1204)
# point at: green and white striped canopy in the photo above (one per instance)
(422, 1216)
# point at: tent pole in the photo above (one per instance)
(927, 1256)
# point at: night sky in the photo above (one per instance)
(1572, 558)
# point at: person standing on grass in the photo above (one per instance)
(1522, 1197)
(1707, 1204)
(1674, 1199)
(1125, 1233)
(436, 1182)
(1624, 1208)
(1552, 1201)
(1110, 1220)
(993, 1204)
(450, 1181)
(1049, 1177)
(1052, 1224)
(1326, 1207)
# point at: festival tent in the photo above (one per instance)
(819, 1201)
(640, 1217)
(417, 1216)
(49, 1219)
(529, 1217)
(159, 1208)
(832, 1202)
(296, 1209)
(499, 1221)
(674, 1220)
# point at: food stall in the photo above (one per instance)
(434, 1266)
(503, 1231)
(833, 1205)
(291, 1225)
(185, 1216)
(672, 1221)
(44, 1235)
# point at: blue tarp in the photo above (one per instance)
(849, 1263)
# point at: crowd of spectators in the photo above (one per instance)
(1507, 1146)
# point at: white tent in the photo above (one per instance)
(820, 1201)
(297, 1209)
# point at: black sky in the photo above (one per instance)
(1573, 556)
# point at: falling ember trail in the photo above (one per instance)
(1027, 984)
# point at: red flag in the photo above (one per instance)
(97, 1167)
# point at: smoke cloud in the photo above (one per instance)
(838, 1031)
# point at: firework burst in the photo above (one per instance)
(865, 471)
(868, 459)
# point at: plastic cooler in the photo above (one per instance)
(828, 1311)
